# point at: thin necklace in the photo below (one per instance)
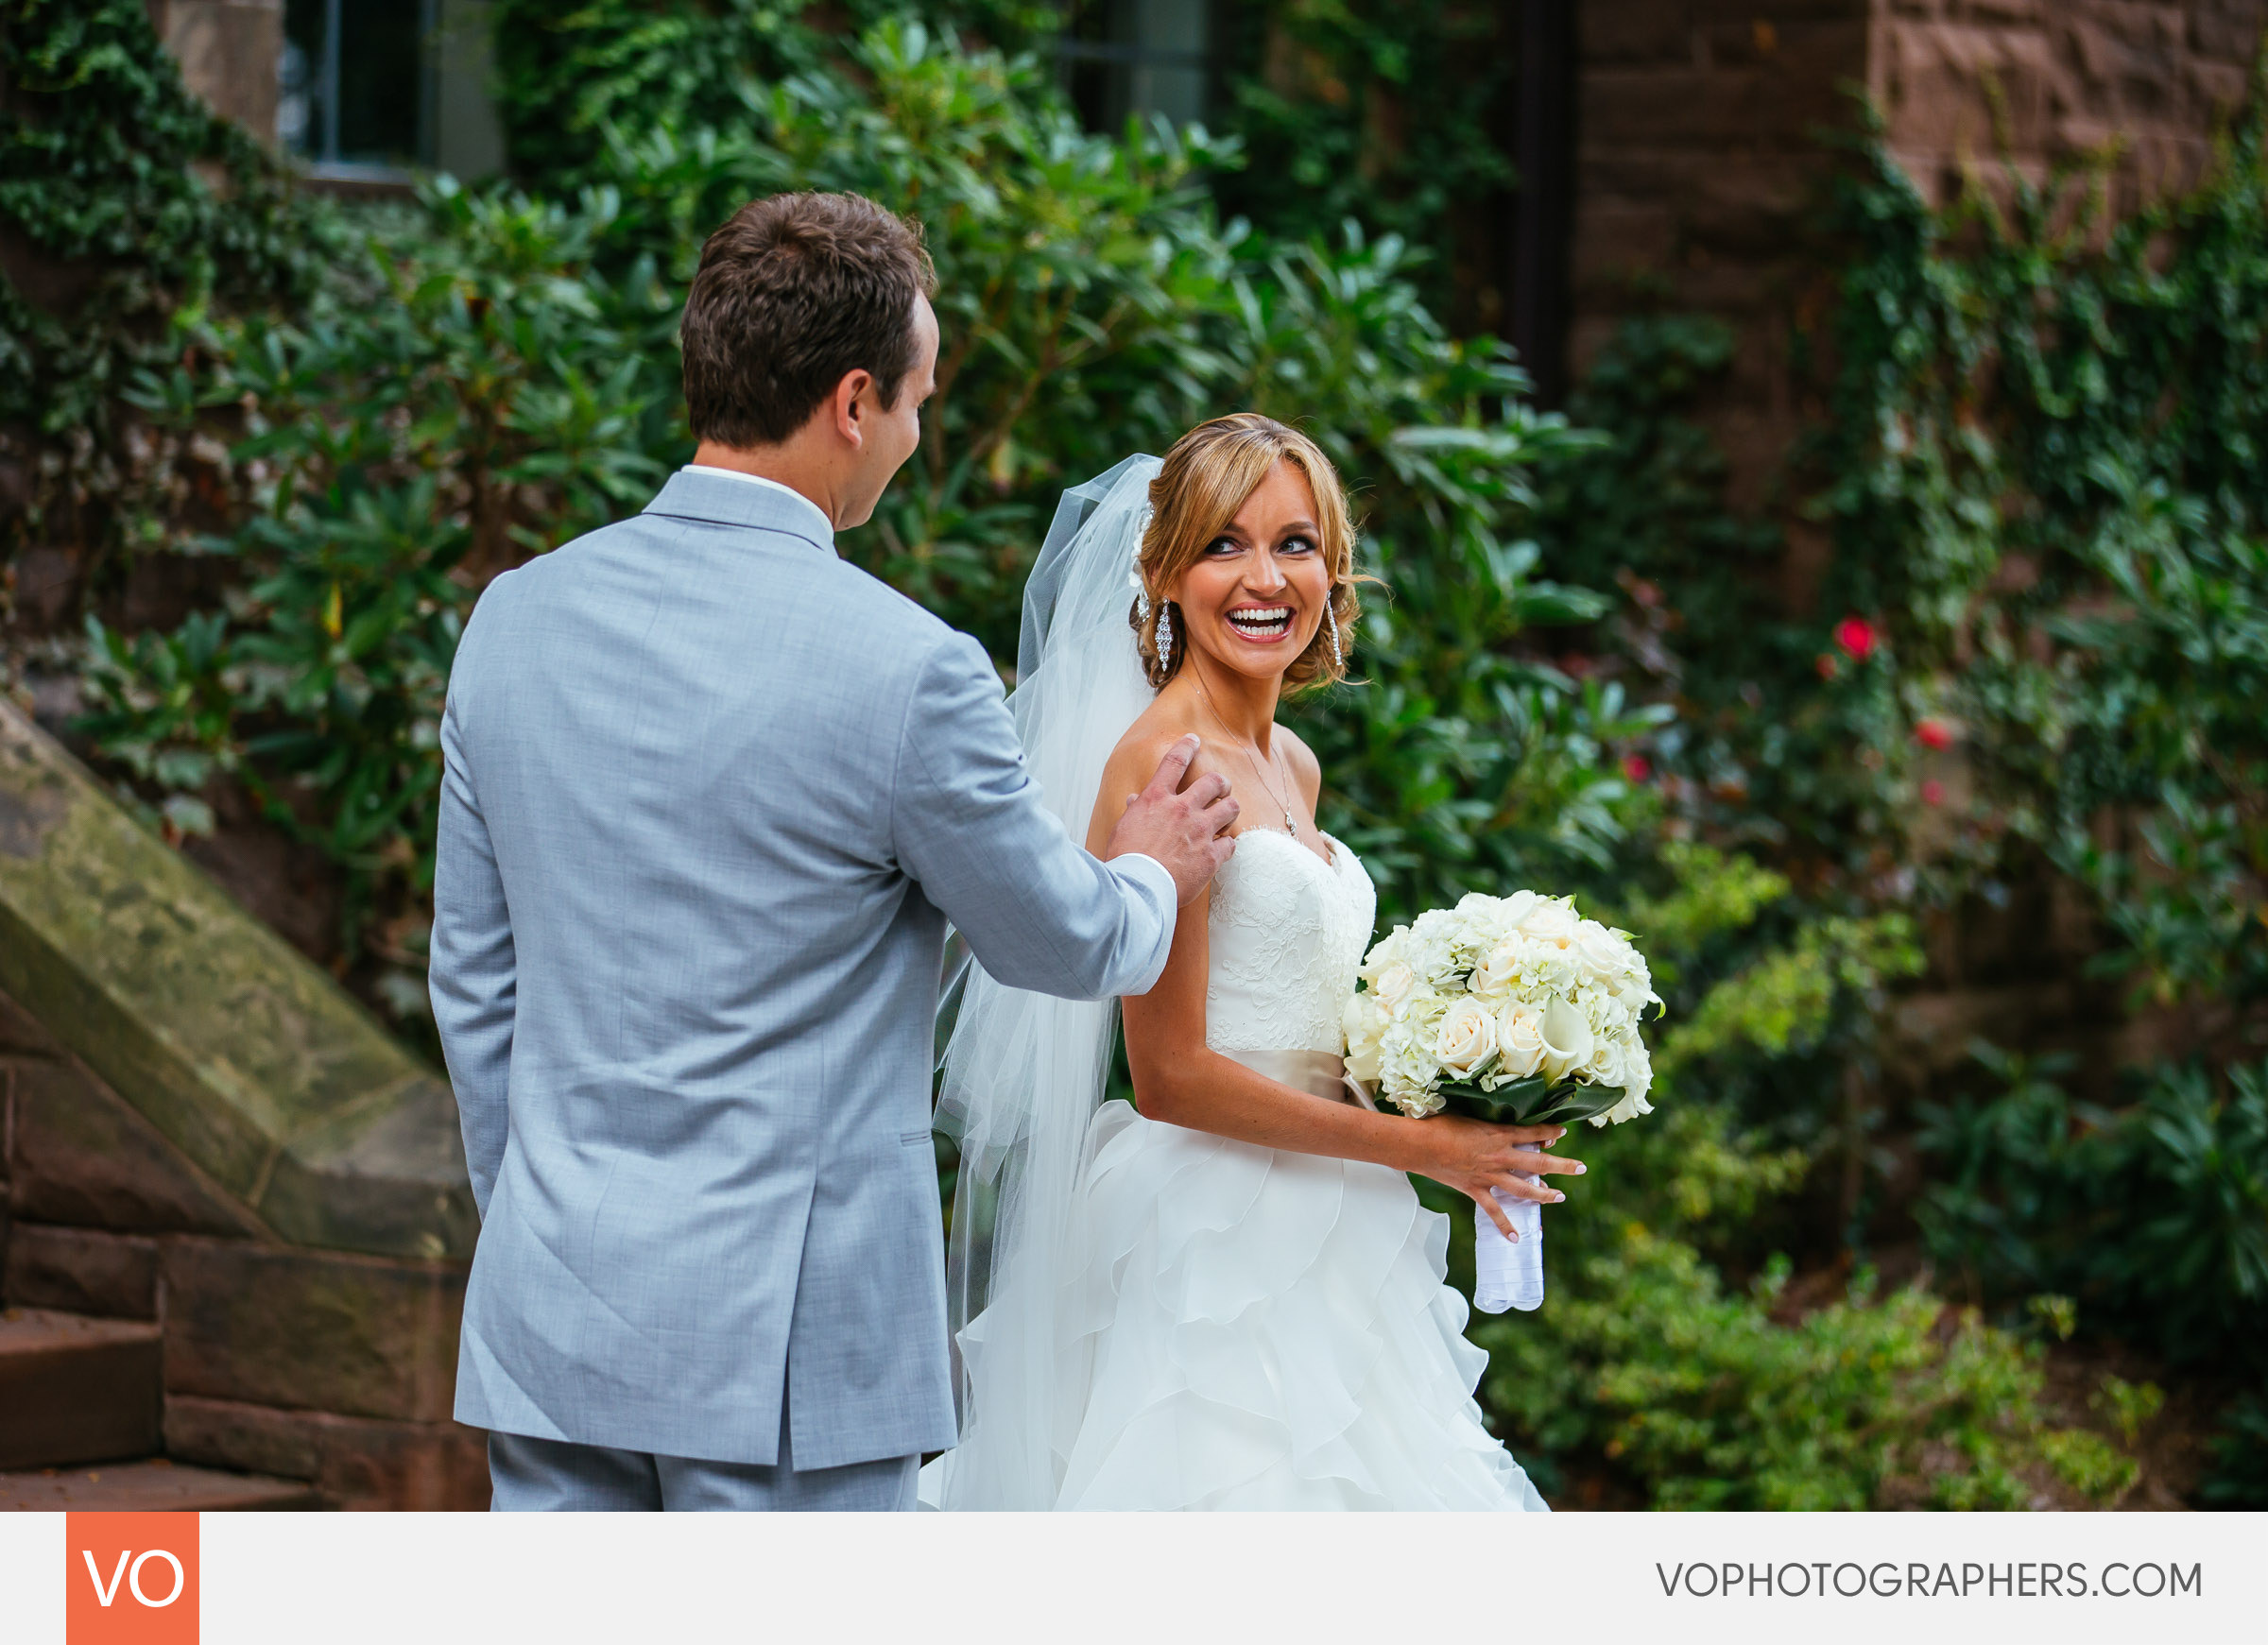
(1291, 824)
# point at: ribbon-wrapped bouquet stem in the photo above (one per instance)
(1514, 1009)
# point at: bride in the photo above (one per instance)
(1230, 1298)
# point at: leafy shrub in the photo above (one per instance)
(1389, 112)
(571, 81)
(2154, 1217)
(1710, 1404)
(468, 389)
(2239, 1478)
(490, 374)
(2041, 632)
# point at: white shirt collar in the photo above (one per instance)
(818, 516)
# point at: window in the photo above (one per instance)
(372, 87)
(1122, 58)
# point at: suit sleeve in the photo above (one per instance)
(1036, 909)
(473, 976)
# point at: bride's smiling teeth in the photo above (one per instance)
(1261, 623)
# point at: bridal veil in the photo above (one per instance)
(1024, 1072)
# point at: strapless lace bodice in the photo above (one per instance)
(1287, 932)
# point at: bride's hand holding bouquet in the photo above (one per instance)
(1506, 1017)
(1492, 1164)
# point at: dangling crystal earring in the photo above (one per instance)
(1331, 626)
(1165, 635)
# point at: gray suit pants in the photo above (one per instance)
(534, 1475)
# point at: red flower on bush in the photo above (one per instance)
(1934, 733)
(1857, 637)
(1636, 768)
(1933, 792)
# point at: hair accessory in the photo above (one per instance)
(1330, 626)
(1142, 589)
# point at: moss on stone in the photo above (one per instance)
(251, 1061)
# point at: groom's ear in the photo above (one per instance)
(849, 403)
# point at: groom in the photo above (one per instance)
(710, 798)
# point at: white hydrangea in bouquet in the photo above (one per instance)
(1514, 1009)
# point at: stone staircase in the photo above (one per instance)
(234, 1220)
(81, 1401)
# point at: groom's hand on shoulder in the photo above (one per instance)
(1183, 828)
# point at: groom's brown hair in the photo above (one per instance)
(795, 293)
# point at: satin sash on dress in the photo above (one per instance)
(1317, 1072)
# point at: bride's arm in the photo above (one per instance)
(1178, 1079)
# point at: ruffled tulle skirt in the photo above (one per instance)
(1239, 1328)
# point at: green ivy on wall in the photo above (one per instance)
(2047, 481)
(132, 211)
(2040, 652)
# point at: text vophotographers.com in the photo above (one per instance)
(1917, 1579)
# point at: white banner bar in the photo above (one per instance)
(1238, 1579)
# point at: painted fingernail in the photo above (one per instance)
(1580, 1167)
(1557, 1197)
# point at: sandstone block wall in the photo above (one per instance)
(1699, 164)
(2073, 74)
(328, 1366)
(200, 1130)
(229, 51)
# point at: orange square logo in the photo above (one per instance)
(130, 1579)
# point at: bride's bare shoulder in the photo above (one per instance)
(1306, 769)
(1164, 722)
(1134, 762)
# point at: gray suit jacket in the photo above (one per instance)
(710, 796)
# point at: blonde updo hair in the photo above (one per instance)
(1207, 477)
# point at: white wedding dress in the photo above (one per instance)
(1149, 1316)
(1239, 1327)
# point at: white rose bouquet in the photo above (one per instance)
(1514, 1009)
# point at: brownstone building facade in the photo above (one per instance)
(1699, 163)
